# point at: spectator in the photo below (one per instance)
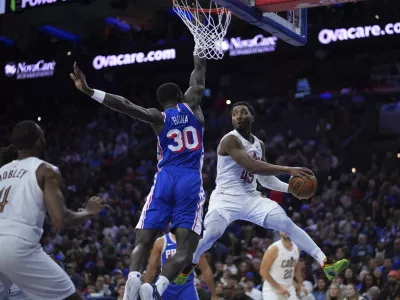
(391, 291)
(372, 294)
(76, 279)
(352, 293)
(320, 292)
(252, 292)
(362, 249)
(230, 266)
(203, 295)
(368, 282)
(334, 292)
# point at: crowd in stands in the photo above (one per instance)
(353, 215)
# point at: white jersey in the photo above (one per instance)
(232, 178)
(282, 269)
(22, 208)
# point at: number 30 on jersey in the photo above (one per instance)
(188, 138)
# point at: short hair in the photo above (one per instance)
(244, 103)
(169, 92)
(25, 135)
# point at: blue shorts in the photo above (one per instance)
(180, 292)
(177, 196)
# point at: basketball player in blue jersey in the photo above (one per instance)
(177, 195)
(163, 249)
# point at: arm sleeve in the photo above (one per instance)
(273, 183)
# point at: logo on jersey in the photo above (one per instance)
(288, 263)
(169, 253)
(22, 70)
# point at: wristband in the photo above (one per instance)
(99, 96)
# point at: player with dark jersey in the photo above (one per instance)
(177, 194)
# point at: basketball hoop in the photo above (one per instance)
(208, 26)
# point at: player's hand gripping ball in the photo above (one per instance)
(303, 188)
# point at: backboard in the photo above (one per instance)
(285, 19)
(291, 28)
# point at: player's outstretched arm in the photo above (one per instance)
(271, 182)
(154, 266)
(50, 181)
(208, 276)
(197, 83)
(118, 103)
(268, 259)
(231, 146)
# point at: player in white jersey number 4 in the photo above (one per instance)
(279, 266)
(241, 162)
(29, 187)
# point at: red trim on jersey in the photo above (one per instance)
(188, 107)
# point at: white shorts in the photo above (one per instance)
(250, 207)
(32, 270)
(269, 293)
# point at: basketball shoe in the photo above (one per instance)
(333, 268)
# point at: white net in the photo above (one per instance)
(207, 24)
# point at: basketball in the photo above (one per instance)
(303, 189)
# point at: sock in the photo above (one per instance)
(162, 284)
(135, 274)
(319, 257)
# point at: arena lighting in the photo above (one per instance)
(60, 34)
(39, 119)
(398, 155)
(100, 61)
(117, 23)
(328, 36)
(228, 102)
(6, 41)
(353, 170)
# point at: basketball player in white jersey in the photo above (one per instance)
(241, 162)
(29, 187)
(278, 268)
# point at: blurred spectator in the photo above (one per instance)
(250, 290)
(351, 293)
(320, 291)
(334, 292)
(391, 290)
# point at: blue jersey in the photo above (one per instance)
(180, 142)
(170, 250)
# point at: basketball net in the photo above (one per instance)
(208, 26)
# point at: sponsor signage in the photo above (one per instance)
(30, 3)
(328, 36)
(23, 70)
(102, 61)
(236, 46)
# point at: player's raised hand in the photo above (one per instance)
(79, 79)
(284, 292)
(303, 173)
(95, 205)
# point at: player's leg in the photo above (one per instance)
(269, 294)
(5, 285)
(34, 272)
(223, 210)
(155, 216)
(186, 224)
(267, 213)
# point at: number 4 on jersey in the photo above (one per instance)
(247, 177)
(3, 197)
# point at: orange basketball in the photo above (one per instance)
(303, 189)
